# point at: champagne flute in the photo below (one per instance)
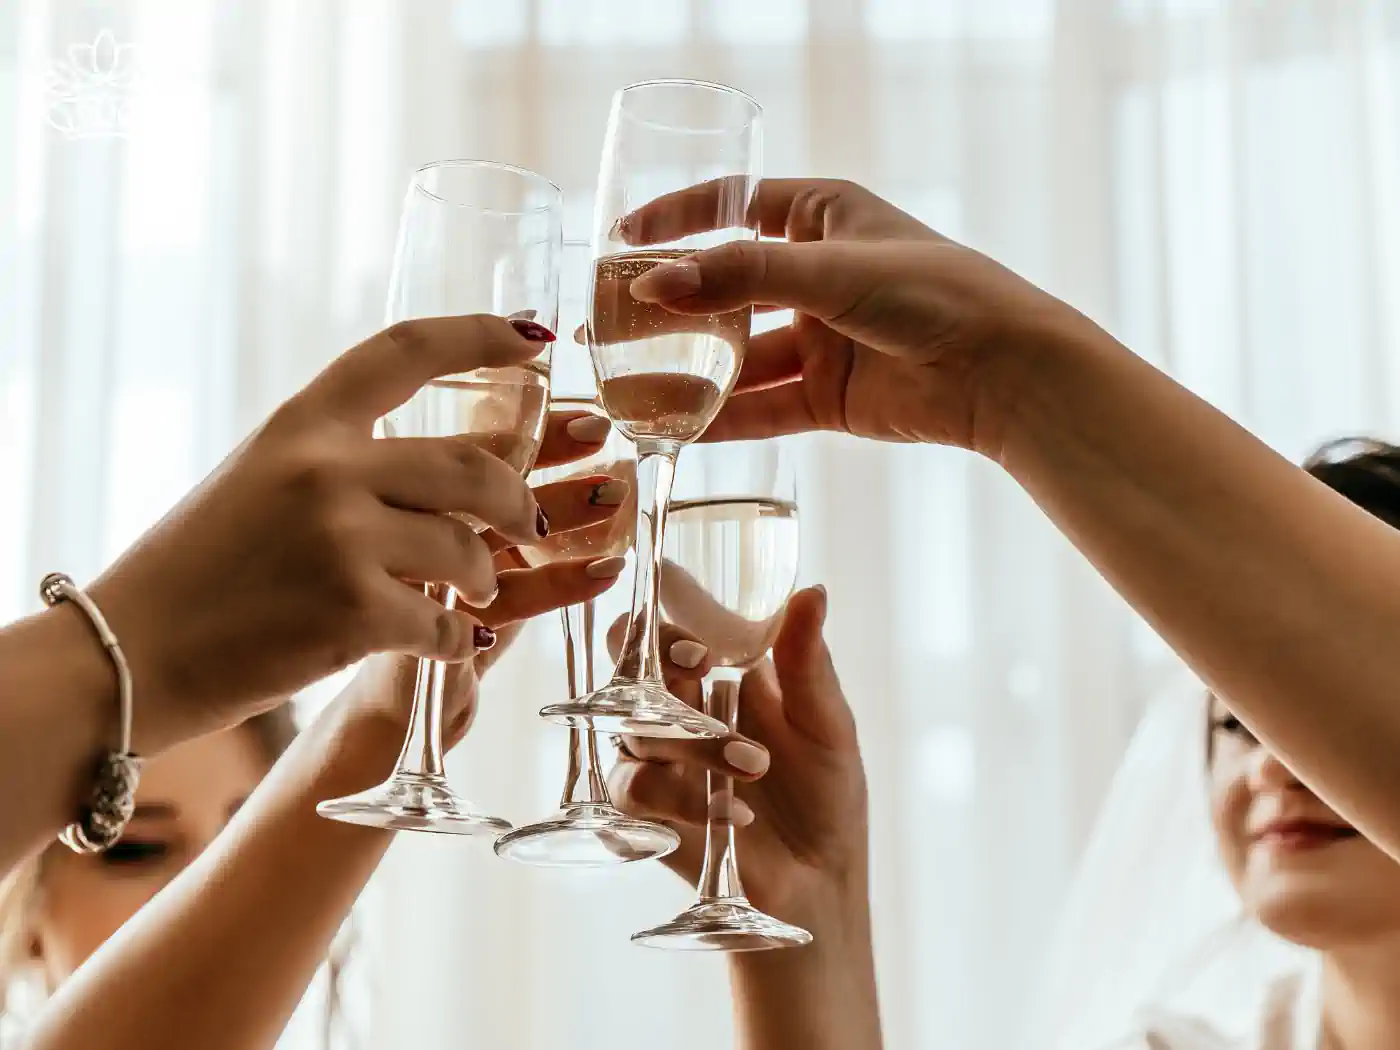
(730, 566)
(663, 377)
(587, 830)
(474, 237)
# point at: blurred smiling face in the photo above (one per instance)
(1298, 867)
(185, 798)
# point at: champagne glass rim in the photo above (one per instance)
(493, 165)
(712, 86)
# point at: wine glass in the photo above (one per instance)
(474, 237)
(663, 377)
(729, 567)
(587, 830)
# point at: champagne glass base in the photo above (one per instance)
(633, 707)
(412, 802)
(589, 835)
(729, 924)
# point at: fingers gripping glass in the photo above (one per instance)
(587, 830)
(729, 567)
(474, 237)
(662, 377)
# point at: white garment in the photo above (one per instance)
(1152, 953)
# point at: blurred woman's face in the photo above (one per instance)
(1300, 869)
(185, 798)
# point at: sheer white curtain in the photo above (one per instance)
(1218, 182)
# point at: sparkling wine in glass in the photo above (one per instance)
(474, 237)
(730, 565)
(689, 152)
(587, 831)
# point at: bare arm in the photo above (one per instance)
(58, 706)
(821, 997)
(221, 957)
(1281, 594)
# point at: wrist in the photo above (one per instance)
(1026, 364)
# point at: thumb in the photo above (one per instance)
(824, 279)
(813, 701)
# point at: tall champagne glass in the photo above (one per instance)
(587, 830)
(663, 377)
(730, 565)
(474, 237)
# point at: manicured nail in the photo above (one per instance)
(724, 806)
(604, 568)
(687, 654)
(610, 493)
(532, 330)
(483, 637)
(541, 523)
(589, 429)
(581, 336)
(825, 604)
(522, 315)
(672, 280)
(746, 757)
(618, 230)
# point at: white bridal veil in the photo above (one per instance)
(1152, 939)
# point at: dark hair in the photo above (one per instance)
(274, 730)
(1365, 471)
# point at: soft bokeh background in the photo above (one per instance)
(1216, 182)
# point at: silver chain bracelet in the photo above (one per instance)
(113, 797)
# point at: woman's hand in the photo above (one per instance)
(384, 687)
(899, 333)
(299, 554)
(801, 802)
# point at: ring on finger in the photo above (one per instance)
(620, 743)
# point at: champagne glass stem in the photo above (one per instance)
(422, 747)
(719, 878)
(641, 652)
(583, 784)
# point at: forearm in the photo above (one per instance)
(58, 715)
(221, 957)
(819, 997)
(1280, 593)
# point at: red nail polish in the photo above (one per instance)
(483, 637)
(532, 330)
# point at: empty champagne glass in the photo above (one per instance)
(474, 237)
(663, 377)
(729, 567)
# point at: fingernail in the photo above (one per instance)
(672, 280)
(604, 568)
(590, 428)
(610, 493)
(522, 315)
(532, 330)
(616, 232)
(541, 523)
(746, 757)
(687, 654)
(483, 637)
(821, 589)
(581, 336)
(724, 806)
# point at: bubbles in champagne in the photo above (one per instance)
(660, 374)
(502, 410)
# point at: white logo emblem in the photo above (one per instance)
(89, 93)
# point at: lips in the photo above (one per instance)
(1302, 834)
